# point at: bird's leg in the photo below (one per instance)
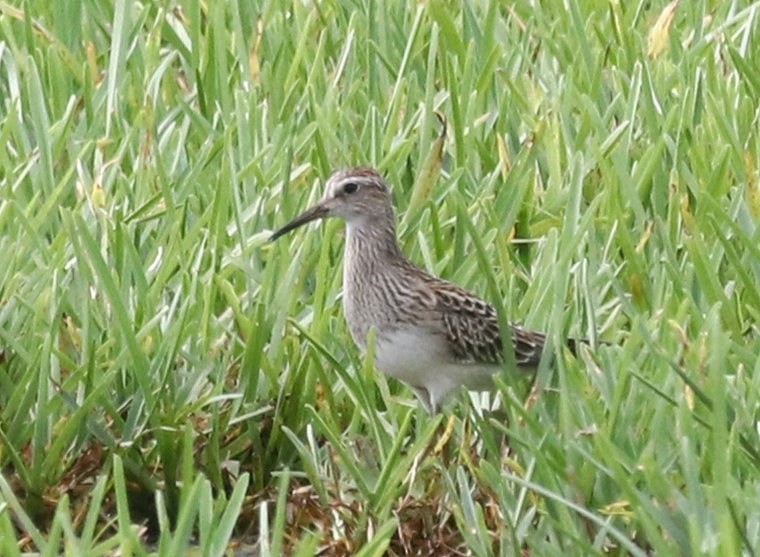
(423, 395)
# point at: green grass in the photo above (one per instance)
(168, 379)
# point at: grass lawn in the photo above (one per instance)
(173, 383)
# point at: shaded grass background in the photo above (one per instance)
(168, 376)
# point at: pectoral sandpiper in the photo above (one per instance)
(430, 333)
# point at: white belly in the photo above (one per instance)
(423, 361)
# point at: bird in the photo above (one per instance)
(430, 333)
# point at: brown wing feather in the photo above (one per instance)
(472, 328)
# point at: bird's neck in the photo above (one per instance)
(371, 260)
(373, 242)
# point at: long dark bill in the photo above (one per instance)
(316, 212)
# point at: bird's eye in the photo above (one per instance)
(351, 187)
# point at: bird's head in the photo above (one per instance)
(357, 195)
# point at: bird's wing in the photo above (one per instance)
(472, 329)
